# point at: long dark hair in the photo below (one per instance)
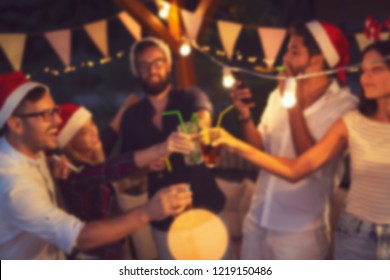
(368, 107)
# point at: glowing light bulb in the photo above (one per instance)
(289, 98)
(228, 79)
(185, 49)
(163, 12)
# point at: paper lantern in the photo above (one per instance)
(198, 234)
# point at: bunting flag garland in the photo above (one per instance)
(228, 32)
(97, 31)
(271, 40)
(61, 42)
(131, 25)
(192, 24)
(13, 48)
(372, 32)
(362, 40)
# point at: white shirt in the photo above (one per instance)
(31, 224)
(369, 147)
(278, 204)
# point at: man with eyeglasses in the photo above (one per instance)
(32, 226)
(143, 125)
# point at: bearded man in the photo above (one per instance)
(143, 125)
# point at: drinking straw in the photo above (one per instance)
(179, 116)
(184, 128)
(222, 114)
(168, 164)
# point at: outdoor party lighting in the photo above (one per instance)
(163, 11)
(185, 48)
(289, 99)
(198, 234)
(228, 79)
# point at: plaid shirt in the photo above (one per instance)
(90, 196)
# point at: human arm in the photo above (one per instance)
(129, 162)
(248, 127)
(293, 170)
(204, 119)
(166, 202)
(177, 142)
(109, 138)
(91, 176)
(110, 134)
(115, 123)
(60, 166)
(30, 208)
(301, 137)
(199, 102)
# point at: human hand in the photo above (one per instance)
(219, 137)
(288, 72)
(169, 201)
(177, 142)
(60, 165)
(157, 165)
(285, 80)
(238, 95)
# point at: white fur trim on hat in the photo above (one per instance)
(160, 43)
(324, 42)
(75, 122)
(15, 98)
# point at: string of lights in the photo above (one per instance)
(185, 50)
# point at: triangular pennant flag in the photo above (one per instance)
(61, 42)
(13, 48)
(131, 25)
(228, 32)
(192, 23)
(271, 39)
(363, 41)
(97, 31)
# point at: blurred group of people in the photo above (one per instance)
(58, 180)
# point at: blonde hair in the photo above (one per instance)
(73, 155)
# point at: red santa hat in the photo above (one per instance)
(13, 88)
(333, 44)
(159, 43)
(73, 118)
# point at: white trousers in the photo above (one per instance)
(264, 244)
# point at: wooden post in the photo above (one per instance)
(184, 66)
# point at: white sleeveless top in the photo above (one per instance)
(369, 147)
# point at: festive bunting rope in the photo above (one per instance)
(349, 68)
(77, 27)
